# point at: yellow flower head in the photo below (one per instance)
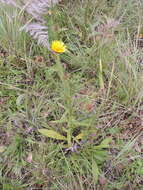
(58, 46)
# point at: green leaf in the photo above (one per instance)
(104, 143)
(52, 134)
(85, 123)
(20, 99)
(95, 171)
(79, 136)
(2, 149)
(62, 120)
(59, 121)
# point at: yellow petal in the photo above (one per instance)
(58, 46)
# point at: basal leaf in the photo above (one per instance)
(52, 134)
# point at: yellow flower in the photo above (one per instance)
(58, 46)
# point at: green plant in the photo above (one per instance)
(80, 98)
(68, 115)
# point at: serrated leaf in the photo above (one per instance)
(52, 134)
(79, 136)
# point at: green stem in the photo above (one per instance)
(67, 97)
(69, 134)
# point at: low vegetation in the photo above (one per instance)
(72, 120)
